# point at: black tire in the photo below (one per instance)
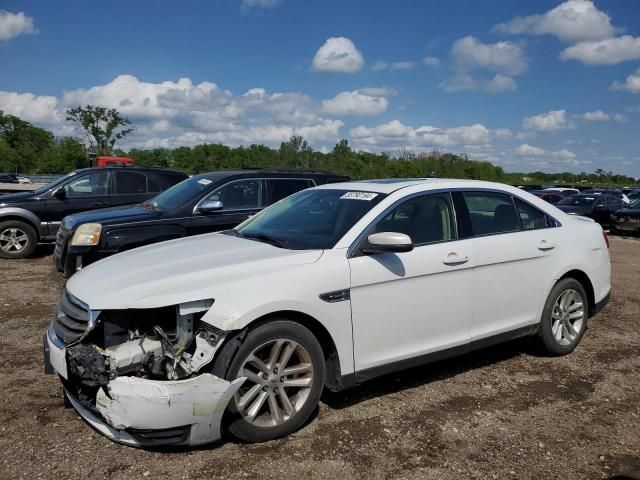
(552, 345)
(23, 229)
(239, 349)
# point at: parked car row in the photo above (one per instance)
(29, 218)
(13, 178)
(240, 331)
(204, 203)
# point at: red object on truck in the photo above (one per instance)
(104, 161)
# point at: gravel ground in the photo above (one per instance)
(503, 412)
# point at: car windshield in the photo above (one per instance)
(310, 219)
(179, 194)
(578, 201)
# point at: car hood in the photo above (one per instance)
(15, 198)
(574, 209)
(110, 216)
(628, 212)
(182, 270)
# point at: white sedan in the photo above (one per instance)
(240, 331)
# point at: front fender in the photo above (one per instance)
(24, 214)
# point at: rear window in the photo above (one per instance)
(282, 188)
(491, 213)
(130, 183)
(530, 217)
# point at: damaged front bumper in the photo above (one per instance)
(141, 412)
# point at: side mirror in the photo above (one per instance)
(60, 193)
(209, 206)
(387, 242)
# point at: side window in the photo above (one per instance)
(426, 219)
(152, 187)
(92, 184)
(530, 217)
(130, 183)
(281, 188)
(601, 202)
(239, 195)
(491, 213)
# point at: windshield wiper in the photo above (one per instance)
(263, 237)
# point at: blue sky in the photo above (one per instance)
(527, 85)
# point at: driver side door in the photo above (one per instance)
(82, 192)
(240, 199)
(408, 305)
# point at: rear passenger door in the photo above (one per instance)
(240, 199)
(514, 246)
(129, 188)
(279, 188)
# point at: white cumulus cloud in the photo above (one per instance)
(260, 3)
(338, 55)
(573, 20)
(432, 61)
(394, 134)
(31, 108)
(488, 67)
(15, 24)
(526, 150)
(357, 102)
(551, 121)
(174, 113)
(595, 116)
(610, 51)
(631, 84)
(502, 57)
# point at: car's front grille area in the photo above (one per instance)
(71, 319)
(61, 240)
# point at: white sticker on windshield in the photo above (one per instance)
(359, 196)
(204, 181)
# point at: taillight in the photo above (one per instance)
(606, 238)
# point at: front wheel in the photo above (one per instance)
(284, 366)
(17, 239)
(564, 319)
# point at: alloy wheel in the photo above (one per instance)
(13, 240)
(279, 379)
(567, 317)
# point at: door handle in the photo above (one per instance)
(545, 246)
(455, 259)
(100, 204)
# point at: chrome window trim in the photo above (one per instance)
(352, 250)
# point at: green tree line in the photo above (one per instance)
(25, 148)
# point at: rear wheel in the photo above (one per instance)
(564, 319)
(17, 239)
(284, 366)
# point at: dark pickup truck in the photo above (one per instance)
(205, 203)
(32, 217)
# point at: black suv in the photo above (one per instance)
(208, 202)
(32, 217)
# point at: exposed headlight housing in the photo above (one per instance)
(87, 234)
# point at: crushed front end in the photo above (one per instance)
(139, 376)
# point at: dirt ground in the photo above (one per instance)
(503, 412)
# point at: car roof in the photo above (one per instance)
(390, 185)
(266, 173)
(127, 169)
